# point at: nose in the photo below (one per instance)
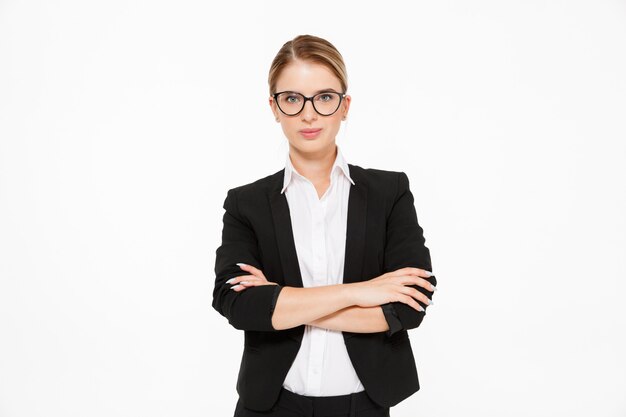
(308, 112)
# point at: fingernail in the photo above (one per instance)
(235, 286)
(241, 264)
(230, 280)
(430, 274)
(430, 302)
(243, 282)
(434, 288)
(421, 308)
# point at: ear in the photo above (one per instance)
(346, 104)
(272, 104)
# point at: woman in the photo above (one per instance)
(323, 263)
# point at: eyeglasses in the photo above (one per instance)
(292, 103)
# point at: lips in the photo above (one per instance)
(310, 134)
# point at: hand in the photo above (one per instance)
(393, 286)
(242, 282)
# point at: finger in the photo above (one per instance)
(411, 271)
(411, 302)
(253, 270)
(257, 283)
(249, 282)
(413, 280)
(424, 283)
(419, 272)
(396, 273)
(252, 281)
(419, 296)
(243, 285)
(248, 268)
(236, 280)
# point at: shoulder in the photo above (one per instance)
(379, 179)
(255, 189)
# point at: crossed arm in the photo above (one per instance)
(272, 308)
(328, 307)
(354, 319)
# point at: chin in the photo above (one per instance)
(310, 144)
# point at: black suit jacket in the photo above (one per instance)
(382, 235)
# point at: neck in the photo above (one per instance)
(315, 167)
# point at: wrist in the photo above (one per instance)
(347, 293)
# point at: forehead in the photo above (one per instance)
(307, 78)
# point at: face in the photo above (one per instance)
(308, 78)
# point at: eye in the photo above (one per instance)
(326, 97)
(292, 98)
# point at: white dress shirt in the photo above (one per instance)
(322, 366)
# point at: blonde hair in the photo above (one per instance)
(308, 48)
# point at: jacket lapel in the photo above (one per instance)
(355, 230)
(284, 233)
(356, 227)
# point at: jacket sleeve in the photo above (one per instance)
(252, 308)
(405, 247)
(392, 318)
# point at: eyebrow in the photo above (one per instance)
(325, 90)
(318, 91)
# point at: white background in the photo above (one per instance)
(124, 123)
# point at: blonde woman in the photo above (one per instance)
(323, 263)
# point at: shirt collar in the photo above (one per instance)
(339, 164)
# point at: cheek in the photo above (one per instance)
(334, 125)
(290, 128)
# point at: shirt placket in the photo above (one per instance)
(320, 263)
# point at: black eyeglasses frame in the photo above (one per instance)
(341, 97)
